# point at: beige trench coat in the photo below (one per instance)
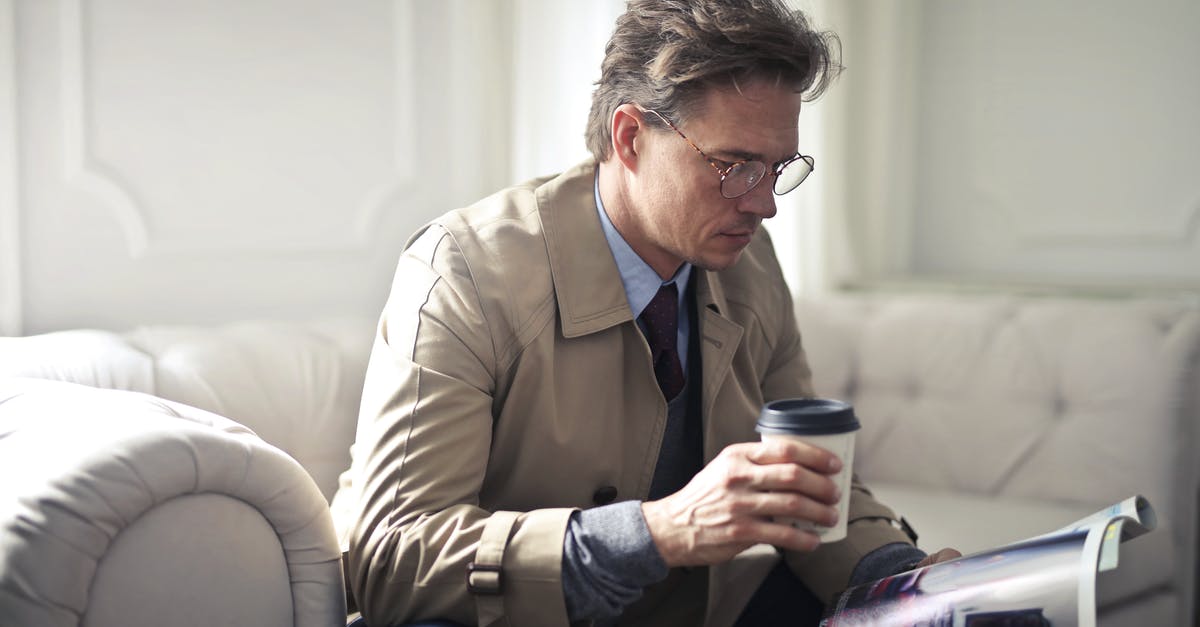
(508, 382)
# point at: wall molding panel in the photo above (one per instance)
(80, 168)
(134, 211)
(10, 216)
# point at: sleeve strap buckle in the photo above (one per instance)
(485, 579)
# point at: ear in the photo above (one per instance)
(627, 126)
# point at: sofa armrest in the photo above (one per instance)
(122, 508)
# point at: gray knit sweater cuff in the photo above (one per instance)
(608, 558)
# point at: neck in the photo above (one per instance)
(615, 185)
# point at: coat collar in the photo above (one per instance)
(587, 282)
(588, 285)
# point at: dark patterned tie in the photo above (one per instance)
(661, 318)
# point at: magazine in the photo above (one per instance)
(1045, 580)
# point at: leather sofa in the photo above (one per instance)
(987, 419)
(991, 419)
(119, 507)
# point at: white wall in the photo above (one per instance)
(1022, 142)
(171, 161)
(168, 161)
(10, 241)
(557, 50)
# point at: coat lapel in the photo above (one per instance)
(587, 283)
(719, 339)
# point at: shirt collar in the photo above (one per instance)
(641, 282)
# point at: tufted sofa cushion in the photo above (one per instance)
(295, 385)
(989, 419)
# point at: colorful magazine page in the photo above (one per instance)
(1045, 580)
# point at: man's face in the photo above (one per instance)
(678, 212)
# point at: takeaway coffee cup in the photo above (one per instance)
(827, 423)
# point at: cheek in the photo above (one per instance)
(686, 202)
(671, 202)
(687, 213)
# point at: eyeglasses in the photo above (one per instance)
(739, 177)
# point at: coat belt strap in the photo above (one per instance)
(485, 576)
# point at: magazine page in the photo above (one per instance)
(1046, 580)
(1135, 510)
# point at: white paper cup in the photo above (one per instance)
(828, 424)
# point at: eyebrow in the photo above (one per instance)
(743, 155)
(738, 155)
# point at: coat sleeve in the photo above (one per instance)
(826, 571)
(424, 439)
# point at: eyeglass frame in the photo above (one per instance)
(775, 169)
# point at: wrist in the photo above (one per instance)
(658, 523)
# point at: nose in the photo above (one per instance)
(759, 201)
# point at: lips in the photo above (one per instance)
(746, 232)
(738, 239)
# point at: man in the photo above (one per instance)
(558, 418)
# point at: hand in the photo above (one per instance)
(943, 555)
(728, 506)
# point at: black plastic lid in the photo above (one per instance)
(807, 416)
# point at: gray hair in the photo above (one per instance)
(665, 54)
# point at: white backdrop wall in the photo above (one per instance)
(171, 161)
(10, 241)
(1019, 143)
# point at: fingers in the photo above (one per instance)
(794, 452)
(707, 523)
(943, 555)
(741, 532)
(798, 479)
(778, 534)
(741, 498)
(780, 466)
(790, 505)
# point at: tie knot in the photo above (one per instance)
(661, 318)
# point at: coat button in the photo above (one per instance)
(604, 495)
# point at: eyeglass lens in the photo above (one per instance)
(744, 176)
(793, 174)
